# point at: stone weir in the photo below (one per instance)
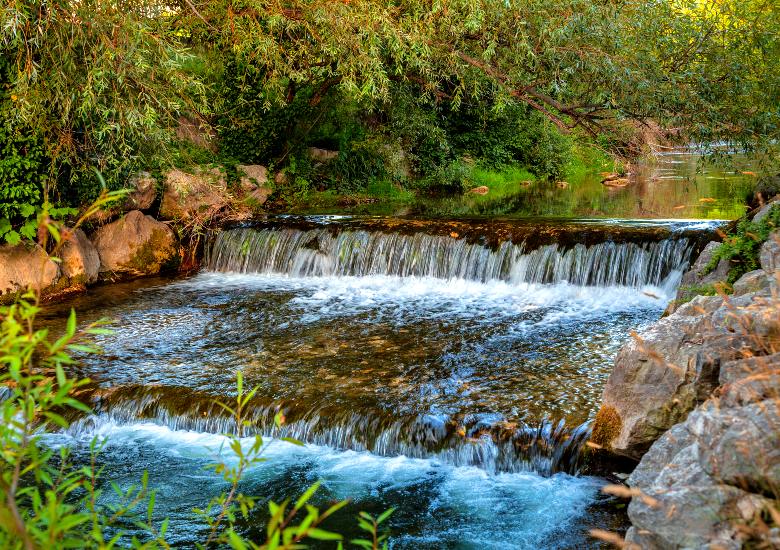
(579, 252)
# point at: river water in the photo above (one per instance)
(447, 368)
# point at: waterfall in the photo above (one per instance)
(544, 447)
(322, 252)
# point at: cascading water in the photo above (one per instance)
(320, 253)
(446, 369)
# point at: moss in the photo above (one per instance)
(154, 257)
(606, 426)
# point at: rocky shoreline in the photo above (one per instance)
(127, 241)
(696, 400)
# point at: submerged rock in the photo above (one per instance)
(136, 245)
(80, 258)
(23, 267)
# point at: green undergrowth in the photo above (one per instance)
(742, 247)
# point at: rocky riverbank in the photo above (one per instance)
(155, 229)
(696, 399)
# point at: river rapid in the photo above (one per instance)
(444, 368)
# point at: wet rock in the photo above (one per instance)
(23, 267)
(697, 275)
(754, 281)
(254, 182)
(657, 380)
(80, 259)
(617, 182)
(199, 195)
(136, 245)
(770, 254)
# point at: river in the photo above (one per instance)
(447, 368)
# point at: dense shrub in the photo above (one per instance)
(742, 247)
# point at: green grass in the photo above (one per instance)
(588, 160)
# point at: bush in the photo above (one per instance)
(742, 247)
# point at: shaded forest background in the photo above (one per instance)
(414, 96)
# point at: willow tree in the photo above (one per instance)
(98, 83)
(703, 66)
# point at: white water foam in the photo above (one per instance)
(463, 507)
(320, 297)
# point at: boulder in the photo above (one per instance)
(764, 210)
(740, 446)
(144, 191)
(672, 367)
(693, 480)
(770, 254)
(740, 369)
(322, 155)
(754, 281)
(136, 245)
(254, 182)
(197, 195)
(23, 267)
(80, 261)
(697, 275)
(657, 380)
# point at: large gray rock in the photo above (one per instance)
(136, 245)
(764, 210)
(754, 281)
(200, 195)
(770, 254)
(674, 366)
(697, 275)
(322, 155)
(657, 380)
(79, 257)
(693, 480)
(143, 192)
(740, 446)
(23, 267)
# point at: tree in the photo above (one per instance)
(703, 66)
(100, 82)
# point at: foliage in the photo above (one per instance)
(742, 247)
(103, 95)
(581, 64)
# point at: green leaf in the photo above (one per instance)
(321, 534)
(304, 498)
